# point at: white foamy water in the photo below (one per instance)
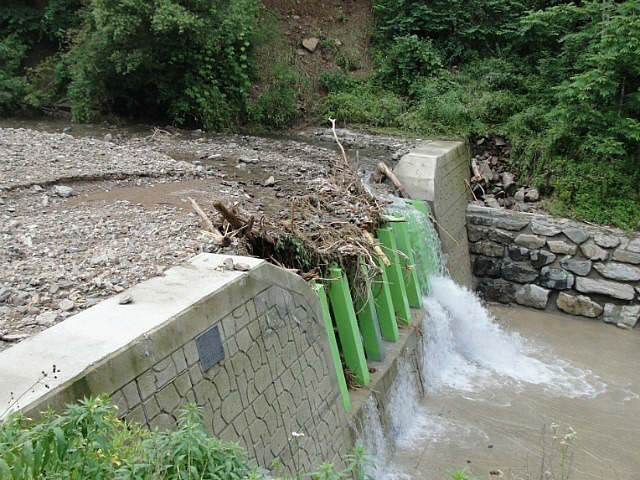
(467, 350)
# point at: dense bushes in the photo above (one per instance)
(561, 81)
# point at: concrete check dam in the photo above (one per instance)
(446, 384)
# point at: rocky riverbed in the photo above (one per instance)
(85, 217)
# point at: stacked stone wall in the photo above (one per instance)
(551, 263)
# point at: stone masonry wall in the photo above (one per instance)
(552, 263)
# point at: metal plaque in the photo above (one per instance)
(210, 348)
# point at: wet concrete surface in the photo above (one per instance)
(499, 432)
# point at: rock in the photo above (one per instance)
(508, 183)
(499, 141)
(519, 195)
(555, 278)
(560, 246)
(532, 195)
(497, 291)
(242, 267)
(519, 254)
(270, 182)
(506, 222)
(491, 202)
(66, 305)
(626, 315)
(63, 191)
(578, 305)
(228, 264)
(476, 233)
(540, 258)
(606, 241)
(108, 137)
(486, 172)
(14, 337)
(500, 236)
(626, 256)
(634, 245)
(125, 299)
(593, 252)
(576, 235)
(605, 287)
(47, 318)
(618, 271)
(532, 296)
(579, 267)
(487, 267)
(518, 273)
(530, 241)
(487, 248)
(543, 227)
(310, 43)
(252, 161)
(301, 52)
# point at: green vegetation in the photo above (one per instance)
(88, 441)
(561, 81)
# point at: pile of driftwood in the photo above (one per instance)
(333, 224)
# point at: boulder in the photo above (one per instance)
(618, 271)
(626, 315)
(532, 296)
(555, 278)
(560, 246)
(516, 272)
(540, 258)
(576, 235)
(605, 287)
(626, 256)
(519, 195)
(606, 241)
(497, 291)
(488, 248)
(579, 267)
(532, 195)
(530, 241)
(578, 305)
(487, 267)
(508, 183)
(593, 251)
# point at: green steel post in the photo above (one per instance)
(368, 320)
(345, 317)
(408, 264)
(333, 345)
(384, 305)
(394, 275)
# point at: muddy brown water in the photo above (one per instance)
(501, 430)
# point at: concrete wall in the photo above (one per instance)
(276, 376)
(553, 263)
(436, 171)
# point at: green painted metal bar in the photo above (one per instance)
(345, 317)
(333, 345)
(408, 264)
(394, 275)
(368, 320)
(384, 305)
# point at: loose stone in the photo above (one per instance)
(63, 191)
(532, 296)
(242, 267)
(559, 246)
(66, 305)
(579, 267)
(618, 271)
(605, 287)
(228, 264)
(578, 305)
(125, 299)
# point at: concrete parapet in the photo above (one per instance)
(436, 171)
